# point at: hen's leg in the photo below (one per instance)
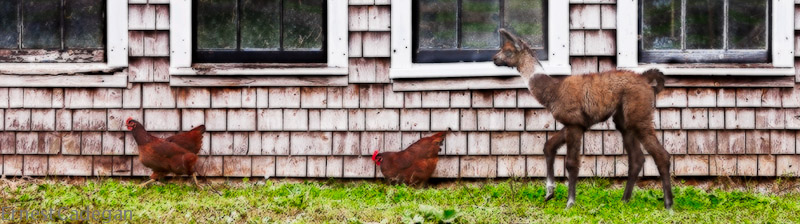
(194, 177)
(146, 183)
(153, 177)
(574, 135)
(550, 148)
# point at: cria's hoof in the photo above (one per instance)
(550, 193)
(569, 205)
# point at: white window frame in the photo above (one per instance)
(402, 35)
(116, 52)
(181, 44)
(782, 44)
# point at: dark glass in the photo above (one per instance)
(9, 24)
(302, 24)
(438, 24)
(705, 23)
(479, 24)
(526, 19)
(216, 24)
(661, 24)
(84, 24)
(747, 24)
(41, 24)
(261, 24)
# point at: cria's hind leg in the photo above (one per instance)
(550, 148)
(574, 136)
(662, 160)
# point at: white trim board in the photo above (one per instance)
(403, 67)
(181, 42)
(782, 48)
(116, 53)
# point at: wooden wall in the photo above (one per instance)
(331, 131)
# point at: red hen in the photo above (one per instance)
(176, 154)
(415, 164)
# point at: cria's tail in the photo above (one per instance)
(655, 75)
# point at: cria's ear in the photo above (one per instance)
(508, 37)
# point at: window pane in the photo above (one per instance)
(83, 24)
(661, 24)
(479, 24)
(261, 27)
(526, 19)
(704, 24)
(216, 24)
(437, 24)
(9, 32)
(747, 26)
(41, 26)
(302, 24)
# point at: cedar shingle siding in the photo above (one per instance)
(330, 131)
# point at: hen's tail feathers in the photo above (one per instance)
(201, 128)
(655, 75)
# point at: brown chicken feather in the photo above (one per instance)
(415, 164)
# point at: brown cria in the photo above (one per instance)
(161, 156)
(580, 101)
(415, 164)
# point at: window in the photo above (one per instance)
(63, 43)
(457, 38)
(52, 31)
(273, 37)
(710, 37)
(688, 31)
(259, 31)
(466, 30)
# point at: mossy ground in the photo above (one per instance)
(337, 201)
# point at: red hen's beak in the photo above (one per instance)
(375, 159)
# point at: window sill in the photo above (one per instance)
(716, 69)
(55, 68)
(258, 69)
(466, 69)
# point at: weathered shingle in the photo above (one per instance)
(241, 120)
(382, 120)
(275, 143)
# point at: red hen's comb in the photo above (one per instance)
(374, 154)
(128, 120)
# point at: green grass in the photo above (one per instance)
(369, 201)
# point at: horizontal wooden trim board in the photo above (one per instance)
(117, 80)
(55, 68)
(738, 81)
(244, 70)
(475, 83)
(246, 81)
(509, 82)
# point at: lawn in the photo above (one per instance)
(356, 201)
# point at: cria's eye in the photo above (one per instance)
(507, 53)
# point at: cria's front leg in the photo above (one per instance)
(572, 163)
(550, 148)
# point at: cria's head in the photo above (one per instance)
(512, 49)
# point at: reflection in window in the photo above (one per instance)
(466, 30)
(52, 30)
(228, 31)
(704, 30)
